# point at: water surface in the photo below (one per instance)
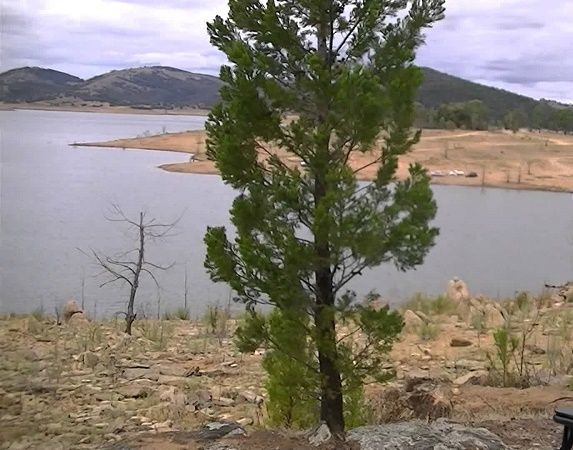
(54, 199)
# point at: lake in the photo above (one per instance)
(54, 199)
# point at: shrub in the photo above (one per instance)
(478, 323)
(430, 305)
(158, 332)
(178, 314)
(428, 331)
(505, 346)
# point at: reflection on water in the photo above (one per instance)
(54, 197)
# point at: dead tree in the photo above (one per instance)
(129, 267)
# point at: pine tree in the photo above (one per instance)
(311, 83)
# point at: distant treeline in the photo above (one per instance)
(475, 115)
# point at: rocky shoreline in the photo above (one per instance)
(87, 385)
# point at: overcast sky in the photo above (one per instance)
(525, 46)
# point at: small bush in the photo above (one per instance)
(509, 365)
(428, 331)
(523, 303)
(431, 305)
(178, 314)
(89, 337)
(216, 319)
(478, 323)
(39, 314)
(159, 332)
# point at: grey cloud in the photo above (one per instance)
(511, 45)
(519, 25)
(528, 71)
(514, 45)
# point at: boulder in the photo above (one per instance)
(493, 316)
(457, 291)
(223, 401)
(250, 397)
(78, 319)
(133, 391)
(200, 399)
(440, 434)
(70, 308)
(217, 430)
(420, 398)
(457, 342)
(430, 404)
(174, 396)
(134, 373)
(320, 435)
(90, 359)
(412, 320)
(477, 377)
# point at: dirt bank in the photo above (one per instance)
(525, 160)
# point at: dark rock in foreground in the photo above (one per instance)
(439, 435)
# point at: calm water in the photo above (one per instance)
(54, 198)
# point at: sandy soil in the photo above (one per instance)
(100, 108)
(525, 160)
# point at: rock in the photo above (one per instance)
(440, 434)
(217, 430)
(536, 350)
(493, 316)
(466, 364)
(133, 391)
(200, 399)
(174, 396)
(250, 397)
(140, 373)
(53, 428)
(163, 427)
(176, 371)
(223, 401)
(245, 421)
(416, 378)
(422, 397)
(457, 342)
(423, 316)
(78, 319)
(171, 380)
(320, 435)
(430, 403)
(90, 359)
(70, 308)
(478, 377)
(412, 320)
(457, 291)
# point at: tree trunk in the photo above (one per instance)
(130, 315)
(331, 399)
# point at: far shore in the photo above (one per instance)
(500, 159)
(106, 109)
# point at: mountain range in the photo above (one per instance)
(167, 87)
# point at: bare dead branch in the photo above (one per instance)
(128, 266)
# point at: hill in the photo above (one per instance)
(29, 84)
(163, 87)
(146, 86)
(439, 88)
(153, 86)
